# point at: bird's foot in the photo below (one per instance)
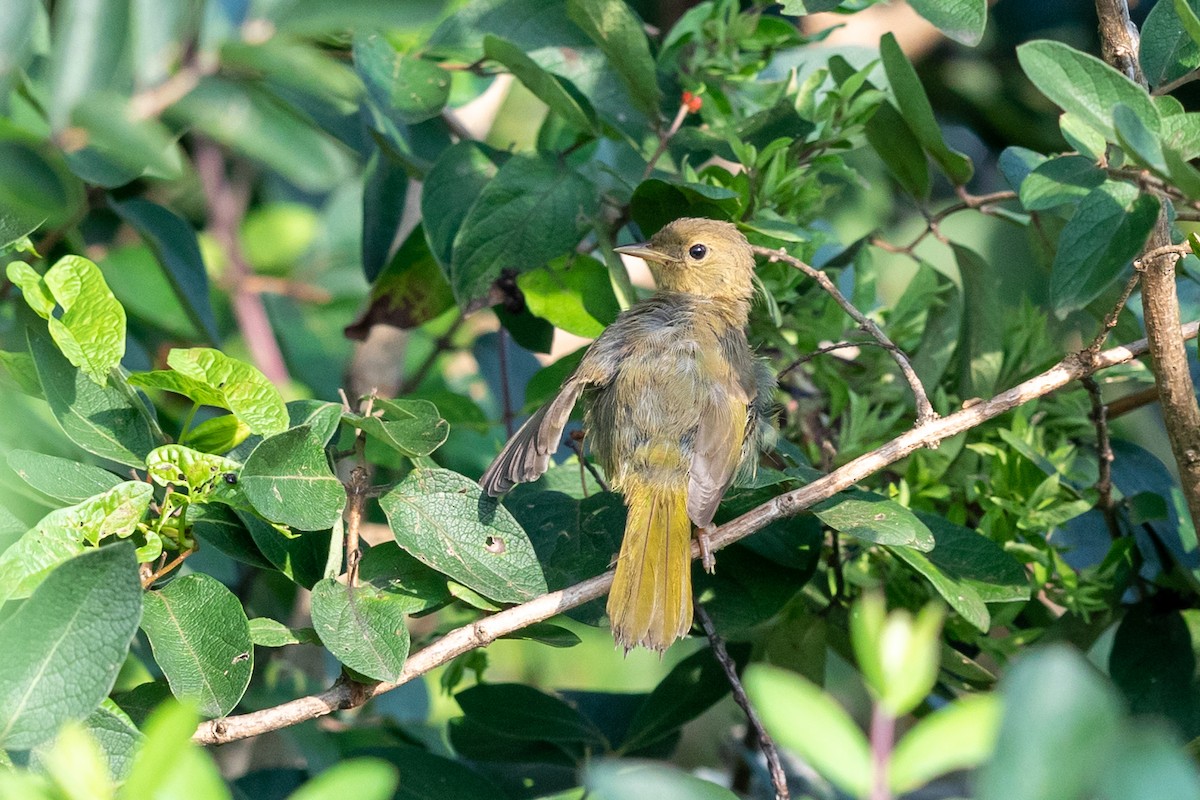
(706, 554)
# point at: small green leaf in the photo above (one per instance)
(523, 712)
(218, 434)
(176, 465)
(446, 521)
(572, 293)
(201, 641)
(1084, 86)
(90, 330)
(533, 210)
(1060, 180)
(621, 36)
(896, 144)
(961, 20)
(288, 480)
(960, 736)
(303, 557)
(412, 427)
(1133, 135)
(874, 518)
(618, 780)
(692, 686)
(61, 478)
(411, 290)
(803, 718)
(414, 89)
(656, 202)
(364, 627)
(975, 561)
(211, 378)
(169, 765)
(961, 597)
(73, 632)
(1107, 231)
(575, 109)
(219, 526)
(1165, 49)
(266, 632)
(918, 113)
(898, 653)
(1188, 18)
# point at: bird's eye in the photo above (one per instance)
(697, 251)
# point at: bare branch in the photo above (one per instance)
(488, 629)
(925, 412)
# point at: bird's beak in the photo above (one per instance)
(644, 251)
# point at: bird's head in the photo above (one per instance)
(699, 256)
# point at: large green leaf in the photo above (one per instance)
(173, 242)
(961, 20)
(918, 113)
(533, 210)
(88, 53)
(1065, 179)
(412, 427)
(522, 712)
(1083, 85)
(562, 98)
(1165, 50)
(573, 293)
(61, 478)
(64, 646)
(211, 378)
(618, 780)
(415, 89)
(201, 640)
(364, 627)
(893, 139)
(957, 736)
(1107, 231)
(450, 190)
(359, 778)
(621, 36)
(874, 518)
(90, 328)
(446, 521)
(288, 480)
(803, 718)
(411, 290)
(101, 419)
(169, 765)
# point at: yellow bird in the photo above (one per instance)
(678, 402)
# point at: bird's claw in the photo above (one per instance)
(707, 560)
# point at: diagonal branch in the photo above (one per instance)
(925, 412)
(487, 630)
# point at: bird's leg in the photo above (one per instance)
(706, 554)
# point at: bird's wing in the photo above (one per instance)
(527, 454)
(717, 451)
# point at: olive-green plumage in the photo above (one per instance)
(677, 401)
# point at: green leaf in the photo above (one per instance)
(446, 521)
(36, 187)
(412, 427)
(959, 736)
(219, 526)
(364, 627)
(873, 518)
(692, 686)
(1016, 163)
(896, 144)
(803, 718)
(288, 480)
(1189, 18)
(359, 778)
(1152, 764)
(562, 98)
(201, 641)
(572, 293)
(304, 557)
(1057, 732)
(385, 193)
(1060, 180)
(266, 632)
(1153, 662)
(174, 244)
(451, 189)
(133, 146)
(200, 473)
(961, 597)
(621, 37)
(90, 330)
(416, 89)
(169, 765)
(1107, 231)
(918, 113)
(656, 202)
(618, 780)
(88, 48)
(1143, 146)
(961, 20)
(64, 646)
(316, 17)
(980, 350)
(100, 419)
(973, 560)
(217, 434)
(411, 290)
(522, 712)
(61, 478)
(1166, 50)
(297, 64)
(211, 378)
(253, 123)
(1084, 86)
(321, 416)
(533, 210)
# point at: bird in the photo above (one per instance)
(678, 404)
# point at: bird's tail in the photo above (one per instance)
(650, 603)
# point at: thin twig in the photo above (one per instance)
(488, 629)
(665, 137)
(933, 222)
(1104, 452)
(1132, 402)
(1110, 320)
(1171, 86)
(440, 346)
(505, 390)
(925, 412)
(820, 351)
(765, 742)
(883, 741)
(150, 580)
(577, 446)
(227, 202)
